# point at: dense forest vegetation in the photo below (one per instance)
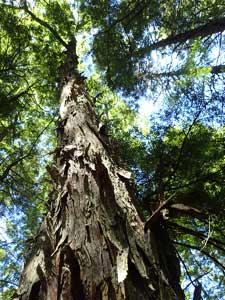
(164, 173)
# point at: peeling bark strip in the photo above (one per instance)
(92, 244)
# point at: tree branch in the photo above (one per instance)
(186, 135)
(213, 26)
(185, 267)
(214, 70)
(212, 241)
(15, 162)
(44, 23)
(203, 252)
(7, 282)
(24, 6)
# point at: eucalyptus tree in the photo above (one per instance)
(93, 242)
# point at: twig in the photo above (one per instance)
(15, 162)
(196, 279)
(210, 232)
(212, 241)
(216, 262)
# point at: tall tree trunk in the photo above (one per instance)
(92, 244)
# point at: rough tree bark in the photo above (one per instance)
(92, 244)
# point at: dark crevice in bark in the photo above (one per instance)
(111, 292)
(88, 234)
(34, 294)
(168, 260)
(74, 283)
(151, 270)
(136, 286)
(106, 188)
(39, 288)
(108, 201)
(86, 186)
(111, 250)
(65, 173)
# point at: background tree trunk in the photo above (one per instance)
(92, 244)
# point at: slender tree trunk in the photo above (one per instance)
(92, 244)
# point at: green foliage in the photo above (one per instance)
(2, 254)
(126, 43)
(186, 164)
(27, 122)
(7, 294)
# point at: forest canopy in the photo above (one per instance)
(170, 53)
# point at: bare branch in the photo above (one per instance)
(213, 26)
(222, 267)
(212, 241)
